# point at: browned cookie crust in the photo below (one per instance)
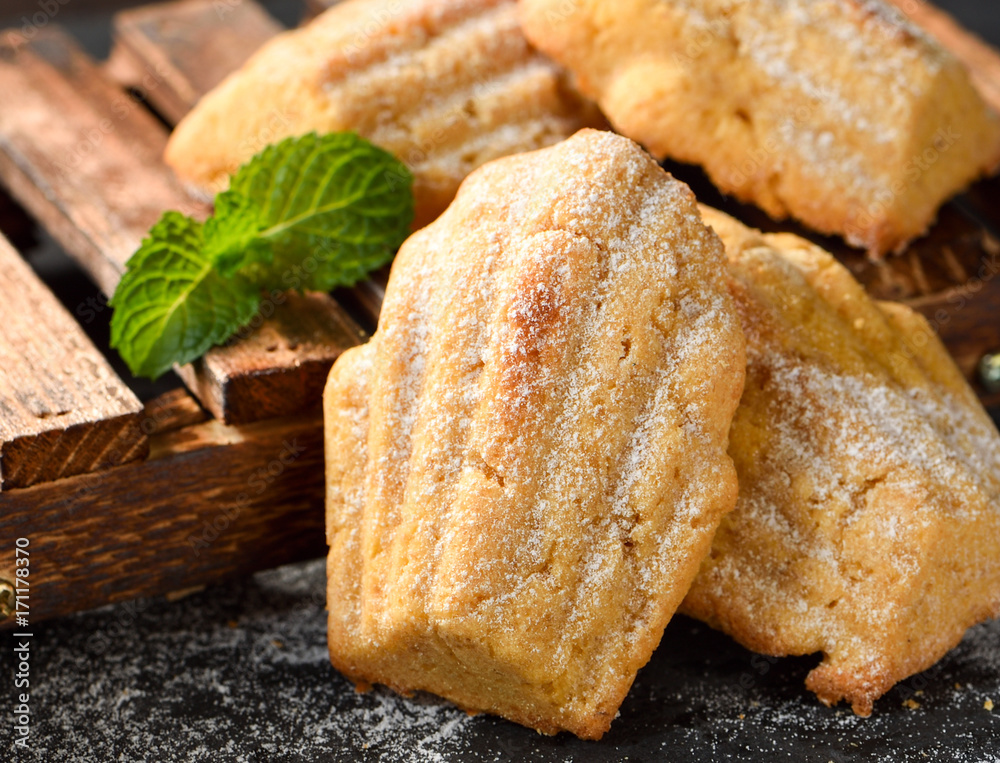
(528, 462)
(445, 85)
(835, 112)
(868, 521)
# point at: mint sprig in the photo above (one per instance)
(336, 199)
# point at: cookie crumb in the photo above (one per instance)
(912, 704)
(988, 705)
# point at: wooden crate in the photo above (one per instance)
(121, 499)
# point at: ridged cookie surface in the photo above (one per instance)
(527, 462)
(835, 112)
(445, 85)
(868, 521)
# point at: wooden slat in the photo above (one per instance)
(80, 155)
(194, 46)
(364, 301)
(932, 276)
(297, 340)
(171, 411)
(211, 501)
(85, 159)
(62, 409)
(182, 50)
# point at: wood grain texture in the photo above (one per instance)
(171, 411)
(194, 45)
(84, 158)
(63, 411)
(80, 155)
(364, 301)
(212, 501)
(186, 47)
(240, 385)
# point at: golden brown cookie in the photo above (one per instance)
(868, 521)
(527, 462)
(445, 85)
(836, 112)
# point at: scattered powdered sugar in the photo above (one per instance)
(834, 436)
(841, 429)
(772, 38)
(796, 96)
(239, 673)
(444, 86)
(523, 343)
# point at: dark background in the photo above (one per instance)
(239, 672)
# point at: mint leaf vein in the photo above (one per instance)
(191, 285)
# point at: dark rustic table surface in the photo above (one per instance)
(239, 672)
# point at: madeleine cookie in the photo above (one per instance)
(835, 112)
(868, 521)
(445, 85)
(528, 462)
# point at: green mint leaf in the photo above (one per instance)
(341, 200)
(313, 212)
(232, 234)
(172, 304)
